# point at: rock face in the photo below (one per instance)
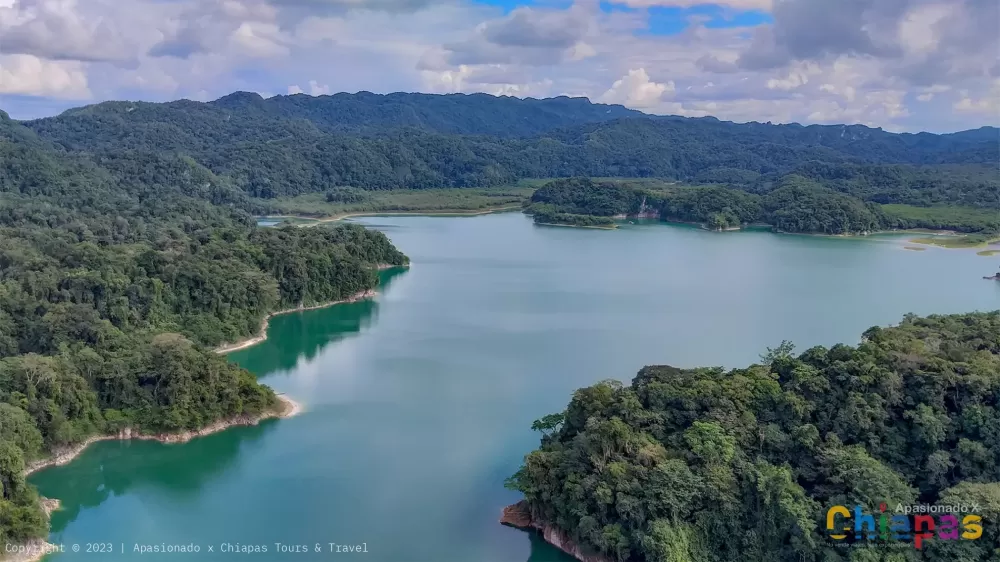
(519, 516)
(49, 505)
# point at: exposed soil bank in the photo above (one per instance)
(262, 333)
(519, 516)
(287, 408)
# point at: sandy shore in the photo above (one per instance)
(262, 333)
(287, 409)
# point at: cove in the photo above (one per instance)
(418, 404)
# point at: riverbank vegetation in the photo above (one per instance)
(951, 241)
(715, 465)
(117, 275)
(344, 201)
(795, 204)
(546, 216)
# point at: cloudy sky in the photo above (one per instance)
(899, 64)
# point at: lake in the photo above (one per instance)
(419, 403)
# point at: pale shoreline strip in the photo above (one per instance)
(262, 333)
(36, 550)
(288, 409)
(424, 213)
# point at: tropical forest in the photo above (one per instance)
(130, 252)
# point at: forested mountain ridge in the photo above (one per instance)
(118, 273)
(711, 465)
(368, 113)
(288, 145)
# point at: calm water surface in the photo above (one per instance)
(418, 404)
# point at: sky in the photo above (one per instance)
(903, 65)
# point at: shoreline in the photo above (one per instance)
(610, 227)
(262, 332)
(446, 213)
(36, 550)
(426, 213)
(288, 408)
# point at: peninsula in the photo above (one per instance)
(654, 470)
(795, 204)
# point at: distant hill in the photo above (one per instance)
(368, 113)
(288, 145)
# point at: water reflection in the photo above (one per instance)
(113, 468)
(542, 551)
(296, 336)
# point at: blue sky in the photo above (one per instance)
(663, 20)
(904, 65)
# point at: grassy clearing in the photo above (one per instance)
(443, 201)
(970, 241)
(988, 253)
(962, 219)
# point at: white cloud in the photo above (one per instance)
(936, 54)
(796, 77)
(636, 90)
(918, 29)
(986, 105)
(28, 75)
(928, 93)
(61, 29)
(581, 51)
(315, 89)
(255, 39)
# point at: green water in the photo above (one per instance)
(418, 404)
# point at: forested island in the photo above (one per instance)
(711, 465)
(794, 204)
(118, 275)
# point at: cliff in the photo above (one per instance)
(519, 516)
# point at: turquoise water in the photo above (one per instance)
(419, 403)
